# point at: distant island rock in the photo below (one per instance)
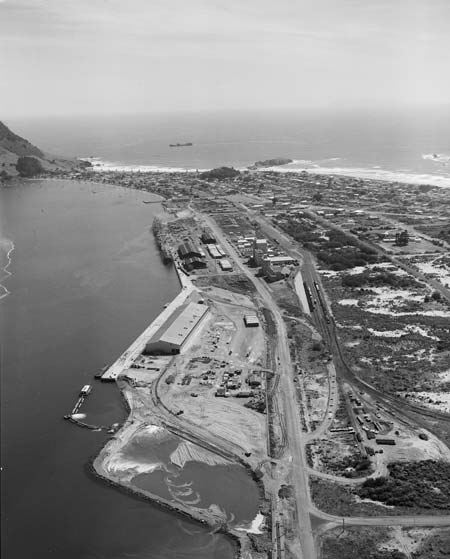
(271, 162)
(220, 173)
(20, 157)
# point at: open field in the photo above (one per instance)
(395, 334)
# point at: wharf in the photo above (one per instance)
(128, 357)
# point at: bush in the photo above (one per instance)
(29, 166)
(375, 278)
(423, 484)
(220, 173)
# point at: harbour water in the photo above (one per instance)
(86, 280)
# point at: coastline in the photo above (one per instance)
(298, 166)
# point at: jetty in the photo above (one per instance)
(128, 357)
(84, 393)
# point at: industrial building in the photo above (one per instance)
(194, 263)
(251, 320)
(208, 237)
(173, 334)
(215, 251)
(272, 272)
(187, 249)
(281, 260)
(225, 265)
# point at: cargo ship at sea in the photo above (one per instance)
(187, 144)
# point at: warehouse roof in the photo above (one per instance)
(180, 324)
(187, 248)
(280, 259)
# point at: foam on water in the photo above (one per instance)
(374, 173)
(437, 157)
(7, 246)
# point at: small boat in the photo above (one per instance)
(187, 144)
(85, 390)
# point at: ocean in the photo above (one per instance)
(83, 278)
(410, 145)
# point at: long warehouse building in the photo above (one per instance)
(174, 333)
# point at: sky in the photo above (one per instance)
(87, 57)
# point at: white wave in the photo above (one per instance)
(301, 162)
(255, 526)
(373, 174)
(437, 157)
(330, 159)
(100, 165)
(8, 246)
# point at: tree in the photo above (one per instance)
(402, 239)
(28, 166)
(317, 197)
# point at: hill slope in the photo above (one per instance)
(15, 144)
(13, 147)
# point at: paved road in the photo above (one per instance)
(290, 410)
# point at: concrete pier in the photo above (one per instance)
(127, 358)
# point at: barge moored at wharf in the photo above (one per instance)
(160, 231)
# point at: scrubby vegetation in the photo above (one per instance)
(355, 543)
(436, 546)
(343, 257)
(378, 277)
(414, 487)
(336, 249)
(418, 484)
(220, 173)
(29, 166)
(337, 499)
(353, 466)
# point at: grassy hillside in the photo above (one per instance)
(14, 147)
